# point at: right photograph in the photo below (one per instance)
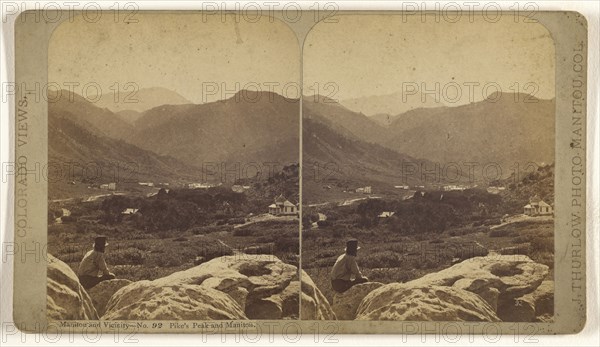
(428, 151)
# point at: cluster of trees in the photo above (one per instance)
(177, 209)
(429, 212)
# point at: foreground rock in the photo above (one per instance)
(500, 280)
(399, 302)
(542, 300)
(66, 298)
(346, 304)
(149, 300)
(103, 291)
(314, 304)
(231, 287)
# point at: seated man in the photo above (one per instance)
(93, 263)
(345, 268)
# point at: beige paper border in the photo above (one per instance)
(569, 31)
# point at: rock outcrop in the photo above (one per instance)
(542, 299)
(399, 302)
(314, 305)
(501, 280)
(345, 304)
(152, 300)
(66, 298)
(103, 291)
(231, 287)
(492, 288)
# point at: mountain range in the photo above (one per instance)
(81, 134)
(172, 140)
(379, 106)
(130, 98)
(250, 127)
(506, 129)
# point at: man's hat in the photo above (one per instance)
(100, 241)
(352, 245)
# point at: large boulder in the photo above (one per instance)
(400, 302)
(66, 298)
(103, 291)
(346, 303)
(232, 287)
(542, 299)
(314, 305)
(147, 300)
(501, 280)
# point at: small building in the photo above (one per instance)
(386, 214)
(147, 184)
(109, 186)
(237, 188)
(364, 190)
(454, 187)
(200, 185)
(130, 211)
(282, 206)
(537, 207)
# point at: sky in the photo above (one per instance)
(382, 54)
(359, 55)
(187, 53)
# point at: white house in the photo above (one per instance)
(364, 190)
(130, 211)
(537, 207)
(282, 206)
(386, 214)
(200, 185)
(109, 186)
(237, 188)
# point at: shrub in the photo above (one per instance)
(337, 233)
(499, 233)
(542, 244)
(287, 244)
(383, 259)
(236, 221)
(211, 251)
(266, 248)
(324, 223)
(243, 232)
(210, 229)
(68, 219)
(520, 239)
(495, 221)
(127, 256)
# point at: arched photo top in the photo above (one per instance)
(380, 54)
(191, 53)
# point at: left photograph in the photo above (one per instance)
(173, 156)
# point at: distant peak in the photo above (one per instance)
(516, 97)
(247, 95)
(320, 99)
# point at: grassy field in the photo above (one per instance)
(141, 247)
(388, 256)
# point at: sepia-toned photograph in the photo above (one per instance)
(302, 174)
(428, 168)
(174, 175)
